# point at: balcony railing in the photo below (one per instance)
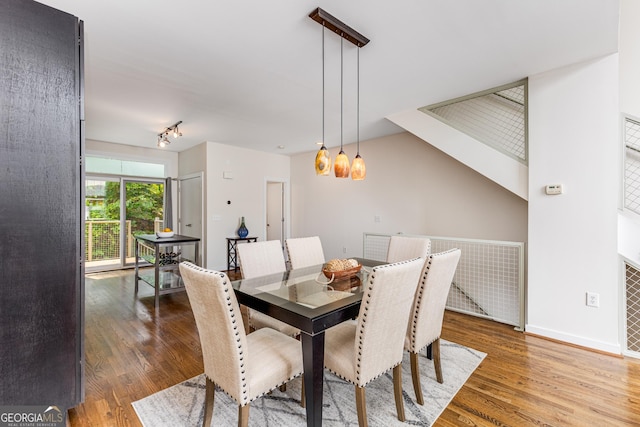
(102, 239)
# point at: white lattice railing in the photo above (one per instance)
(489, 280)
(496, 117)
(632, 309)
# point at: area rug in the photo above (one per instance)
(182, 404)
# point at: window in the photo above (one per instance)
(100, 165)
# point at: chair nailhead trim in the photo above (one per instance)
(244, 400)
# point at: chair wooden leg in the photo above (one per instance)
(361, 407)
(415, 377)
(397, 391)
(243, 415)
(302, 396)
(210, 390)
(436, 360)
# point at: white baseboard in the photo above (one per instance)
(613, 348)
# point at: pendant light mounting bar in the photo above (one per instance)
(324, 18)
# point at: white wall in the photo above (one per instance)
(246, 191)
(413, 187)
(574, 141)
(629, 223)
(630, 57)
(488, 161)
(193, 160)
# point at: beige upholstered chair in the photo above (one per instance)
(425, 324)
(244, 366)
(404, 247)
(261, 259)
(360, 351)
(304, 251)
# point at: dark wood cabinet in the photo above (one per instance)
(41, 206)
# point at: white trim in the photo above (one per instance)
(203, 217)
(287, 205)
(574, 339)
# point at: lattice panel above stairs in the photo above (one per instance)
(497, 117)
(632, 165)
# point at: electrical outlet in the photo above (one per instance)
(344, 249)
(593, 299)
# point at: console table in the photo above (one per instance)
(166, 275)
(232, 252)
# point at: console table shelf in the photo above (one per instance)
(165, 278)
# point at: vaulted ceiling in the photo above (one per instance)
(249, 72)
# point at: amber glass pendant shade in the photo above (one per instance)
(341, 167)
(323, 161)
(358, 169)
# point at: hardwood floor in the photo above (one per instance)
(132, 352)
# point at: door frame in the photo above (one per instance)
(203, 222)
(286, 205)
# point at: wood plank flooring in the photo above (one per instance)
(133, 351)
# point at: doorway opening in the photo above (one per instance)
(116, 210)
(190, 214)
(275, 220)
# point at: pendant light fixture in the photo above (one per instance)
(358, 168)
(323, 159)
(341, 168)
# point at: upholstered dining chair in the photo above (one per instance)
(404, 247)
(360, 351)
(304, 251)
(244, 366)
(261, 259)
(425, 323)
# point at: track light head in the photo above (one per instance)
(163, 141)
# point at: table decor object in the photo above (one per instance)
(242, 230)
(341, 269)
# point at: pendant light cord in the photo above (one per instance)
(358, 104)
(323, 84)
(341, 90)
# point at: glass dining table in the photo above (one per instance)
(303, 299)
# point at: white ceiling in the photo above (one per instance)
(248, 72)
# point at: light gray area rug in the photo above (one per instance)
(182, 404)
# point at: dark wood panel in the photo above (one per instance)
(40, 220)
(133, 352)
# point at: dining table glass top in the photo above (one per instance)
(305, 292)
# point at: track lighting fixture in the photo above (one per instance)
(163, 141)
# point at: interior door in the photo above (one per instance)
(275, 211)
(190, 212)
